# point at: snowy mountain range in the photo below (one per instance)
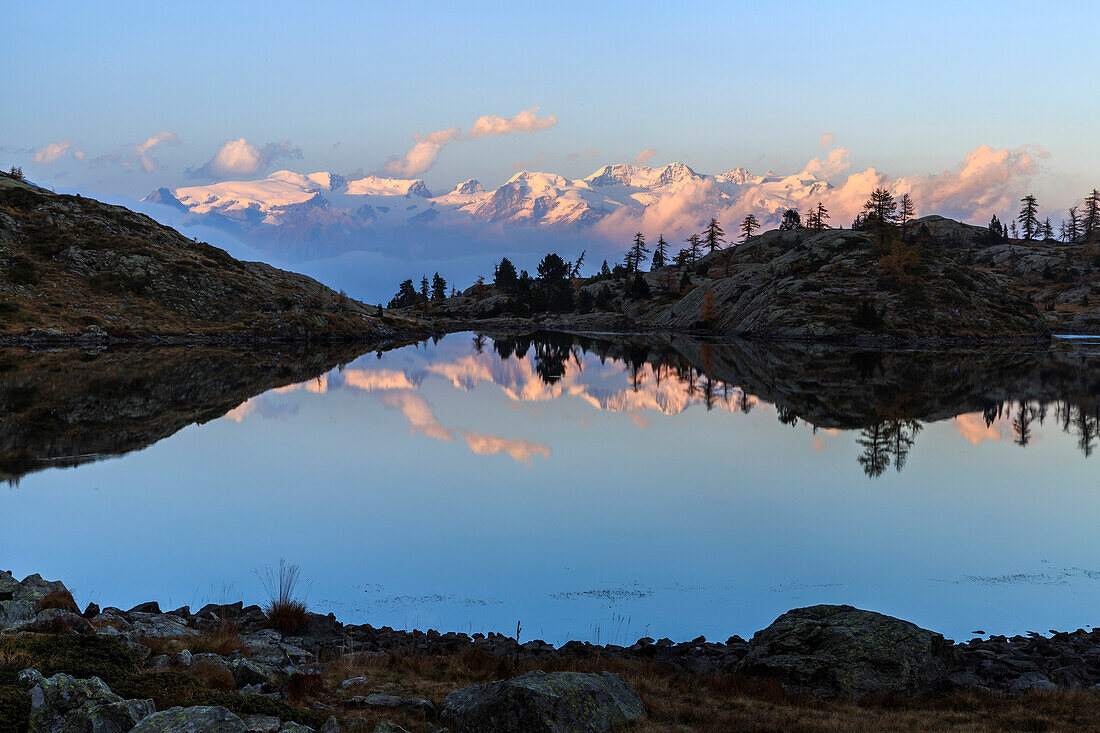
(296, 214)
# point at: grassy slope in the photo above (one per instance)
(73, 264)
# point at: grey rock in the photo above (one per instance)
(33, 589)
(184, 658)
(330, 725)
(353, 682)
(542, 701)
(387, 727)
(248, 672)
(1031, 681)
(64, 704)
(139, 652)
(291, 727)
(159, 626)
(263, 723)
(212, 662)
(55, 621)
(395, 702)
(192, 720)
(13, 613)
(840, 650)
(111, 620)
(8, 584)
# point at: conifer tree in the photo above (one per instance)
(693, 248)
(1073, 225)
(637, 254)
(791, 220)
(660, 253)
(996, 229)
(1029, 217)
(1047, 230)
(748, 227)
(1015, 231)
(880, 209)
(605, 271)
(906, 211)
(1090, 223)
(505, 276)
(424, 287)
(439, 287)
(816, 218)
(713, 235)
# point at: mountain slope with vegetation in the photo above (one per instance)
(75, 267)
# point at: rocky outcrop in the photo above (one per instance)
(841, 650)
(63, 704)
(192, 720)
(544, 702)
(72, 268)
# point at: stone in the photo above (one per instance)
(199, 719)
(379, 700)
(263, 723)
(139, 652)
(55, 621)
(212, 662)
(147, 607)
(330, 725)
(291, 727)
(248, 672)
(1031, 681)
(159, 626)
(387, 727)
(840, 650)
(13, 613)
(353, 682)
(8, 584)
(544, 701)
(184, 658)
(33, 589)
(64, 704)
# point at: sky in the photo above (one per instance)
(137, 95)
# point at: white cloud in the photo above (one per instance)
(422, 154)
(142, 150)
(645, 155)
(833, 163)
(79, 155)
(51, 152)
(526, 121)
(241, 158)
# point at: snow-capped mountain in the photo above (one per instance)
(296, 211)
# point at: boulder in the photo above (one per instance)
(13, 613)
(159, 626)
(544, 701)
(380, 700)
(192, 720)
(833, 651)
(55, 621)
(263, 723)
(387, 727)
(248, 672)
(1031, 681)
(64, 704)
(8, 584)
(33, 589)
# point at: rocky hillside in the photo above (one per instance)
(834, 285)
(75, 267)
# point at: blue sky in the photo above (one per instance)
(909, 90)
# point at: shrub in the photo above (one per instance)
(286, 613)
(304, 685)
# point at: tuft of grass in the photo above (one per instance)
(62, 599)
(223, 640)
(285, 611)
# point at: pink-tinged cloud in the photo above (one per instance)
(417, 411)
(142, 150)
(526, 121)
(645, 155)
(521, 451)
(241, 158)
(51, 152)
(826, 140)
(832, 164)
(375, 380)
(973, 429)
(421, 156)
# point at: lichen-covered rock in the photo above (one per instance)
(8, 585)
(55, 621)
(263, 723)
(192, 720)
(33, 589)
(248, 672)
(840, 650)
(13, 613)
(380, 700)
(64, 704)
(387, 727)
(544, 701)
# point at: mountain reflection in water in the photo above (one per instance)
(71, 407)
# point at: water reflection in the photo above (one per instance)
(71, 407)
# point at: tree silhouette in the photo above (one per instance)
(660, 253)
(713, 235)
(875, 442)
(748, 227)
(406, 296)
(906, 211)
(504, 276)
(1029, 217)
(637, 253)
(791, 220)
(1072, 225)
(439, 287)
(424, 287)
(1090, 224)
(816, 219)
(693, 248)
(901, 435)
(880, 209)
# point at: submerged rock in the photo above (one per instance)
(840, 650)
(544, 701)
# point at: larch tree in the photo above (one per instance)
(713, 235)
(424, 287)
(693, 248)
(660, 253)
(880, 208)
(1073, 225)
(1090, 223)
(817, 217)
(791, 220)
(906, 211)
(439, 287)
(1029, 217)
(1046, 230)
(748, 227)
(637, 254)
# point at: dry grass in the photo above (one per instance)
(213, 676)
(679, 701)
(224, 641)
(286, 613)
(62, 599)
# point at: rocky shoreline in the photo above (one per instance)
(825, 652)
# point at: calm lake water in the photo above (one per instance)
(593, 489)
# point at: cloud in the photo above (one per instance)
(539, 161)
(644, 156)
(521, 451)
(241, 158)
(51, 152)
(417, 411)
(422, 154)
(142, 150)
(588, 153)
(833, 163)
(827, 139)
(79, 155)
(526, 121)
(141, 153)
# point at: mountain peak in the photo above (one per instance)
(467, 187)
